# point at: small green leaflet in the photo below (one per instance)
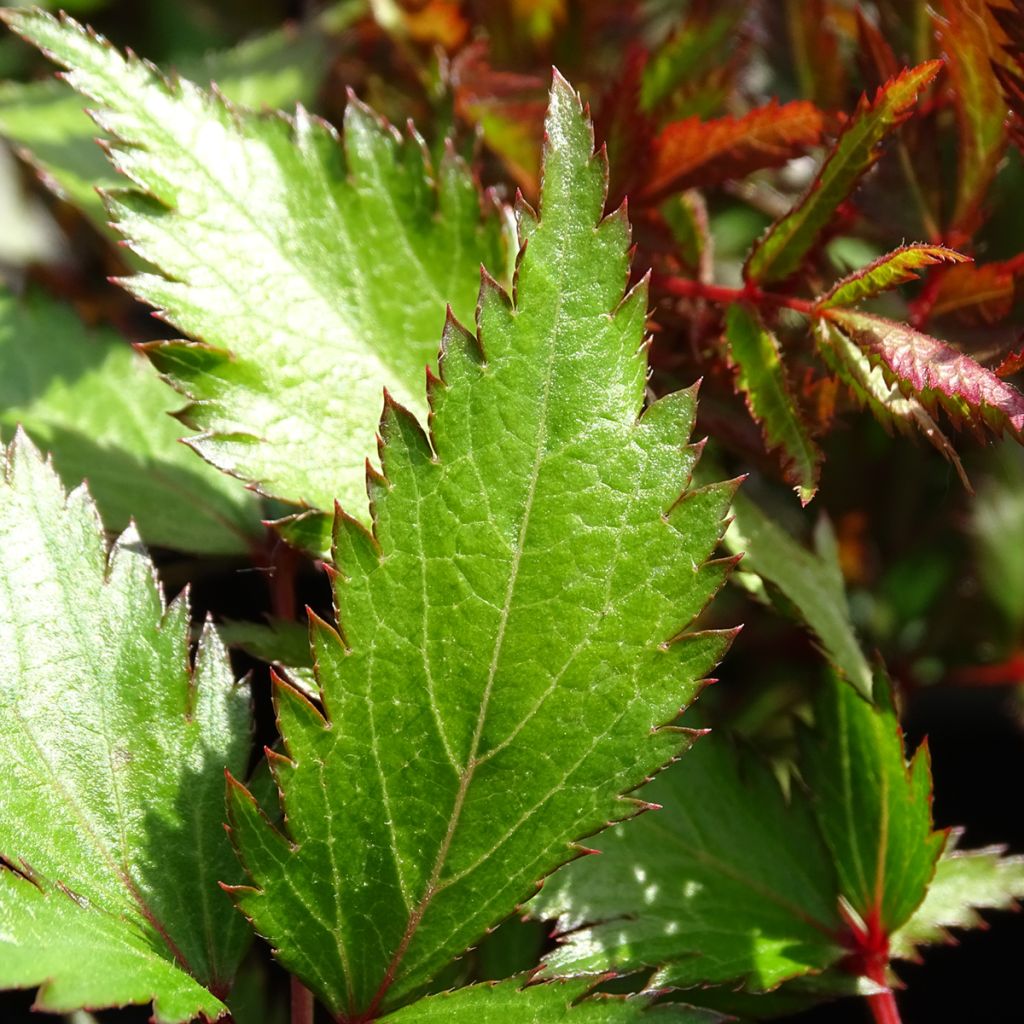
(47, 124)
(754, 353)
(727, 882)
(550, 1003)
(965, 882)
(310, 271)
(873, 808)
(810, 580)
(532, 565)
(888, 271)
(84, 396)
(115, 752)
(783, 247)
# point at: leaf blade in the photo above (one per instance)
(508, 477)
(124, 786)
(294, 308)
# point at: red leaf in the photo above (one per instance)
(936, 373)
(977, 294)
(706, 153)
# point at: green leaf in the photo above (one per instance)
(285, 645)
(548, 1003)
(755, 356)
(311, 272)
(935, 373)
(965, 882)
(811, 581)
(727, 882)
(888, 404)
(84, 395)
(115, 751)
(532, 566)
(47, 124)
(783, 247)
(888, 271)
(873, 808)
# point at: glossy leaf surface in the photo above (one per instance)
(310, 272)
(115, 751)
(532, 564)
(47, 123)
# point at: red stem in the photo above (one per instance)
(302, 1003)
(883, 1008)
(686, 288)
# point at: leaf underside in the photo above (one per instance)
(114, 757)
(532, 565)
(310, 272)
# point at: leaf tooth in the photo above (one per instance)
(494, 304)
(461, 354)
(402, 444)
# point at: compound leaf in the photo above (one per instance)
(310, 272)
(548, 1003)
(706, 153)
(935, 373)
(95, 405)
(888, 271)
(532, 563)
(783, 247)
(115, 751)
(727, 882)
(755, 356)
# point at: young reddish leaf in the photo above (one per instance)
(783, 247)
(706, 153)
(869, 386)
(977, 293)
(888, 271)
(820, 68)
(936, 373)
(531, 564)
(686, 215)
(1012, 363)
(968, 36)
(754, 354)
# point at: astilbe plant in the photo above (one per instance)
(508, 571)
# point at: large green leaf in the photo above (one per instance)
(873, 808)
(48, 124)
(810, 580)
(114, 754)
(513, 636)
(312, 272)
(97, 407)
(783, 247)
(551, 1003)
(728, 882)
